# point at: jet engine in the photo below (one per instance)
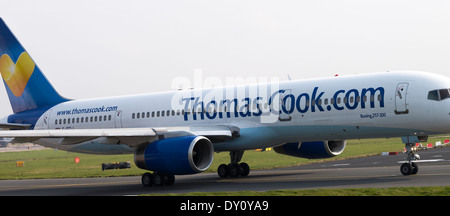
(176, 156)
(312, 150)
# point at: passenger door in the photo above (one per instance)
(118, 119)
(401, 103)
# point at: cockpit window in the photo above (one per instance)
(444, 94)
(438, 95)
(433, 95)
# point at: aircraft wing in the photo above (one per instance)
(129, 136)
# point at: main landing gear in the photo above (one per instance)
(157, 179)
(234, 169)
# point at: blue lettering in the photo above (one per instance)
(228, 107)
(335, 98)
(244, 111)
(186, 107)
(372, 97)
(352, 99)
(291, 103)
(298, 103)
(257, 106)
(270, 101)
(314, 100)
(213, 109)
(196, 110)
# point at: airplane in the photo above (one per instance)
(177, 132)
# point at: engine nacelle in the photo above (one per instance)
(312, 150)
(176, 156)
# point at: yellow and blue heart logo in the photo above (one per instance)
(16, 75)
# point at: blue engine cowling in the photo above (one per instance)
(176, 156)
(312, 150)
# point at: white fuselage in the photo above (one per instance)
(388, 104)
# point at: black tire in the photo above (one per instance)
(406, 169)
(233, 169)
(223, 171)
(159, 179)
(147, 180)
(415, 168)
(170, 179)
(244, 169)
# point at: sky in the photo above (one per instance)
(101, 48)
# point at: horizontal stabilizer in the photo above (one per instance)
(15, 126)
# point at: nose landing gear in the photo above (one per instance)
(411, 168)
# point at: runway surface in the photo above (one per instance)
(376, 171)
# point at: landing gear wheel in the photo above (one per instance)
(158, 179)
(233, 169)
(410, 168)
(415, 168)
(222, 171)
(244, 169)
(147, 179)
(406, 169)
(170, 179)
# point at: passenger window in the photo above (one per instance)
(133, 115)
(138, 115)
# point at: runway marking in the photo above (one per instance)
(425, 161)
(31, 187)
(335, 165)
